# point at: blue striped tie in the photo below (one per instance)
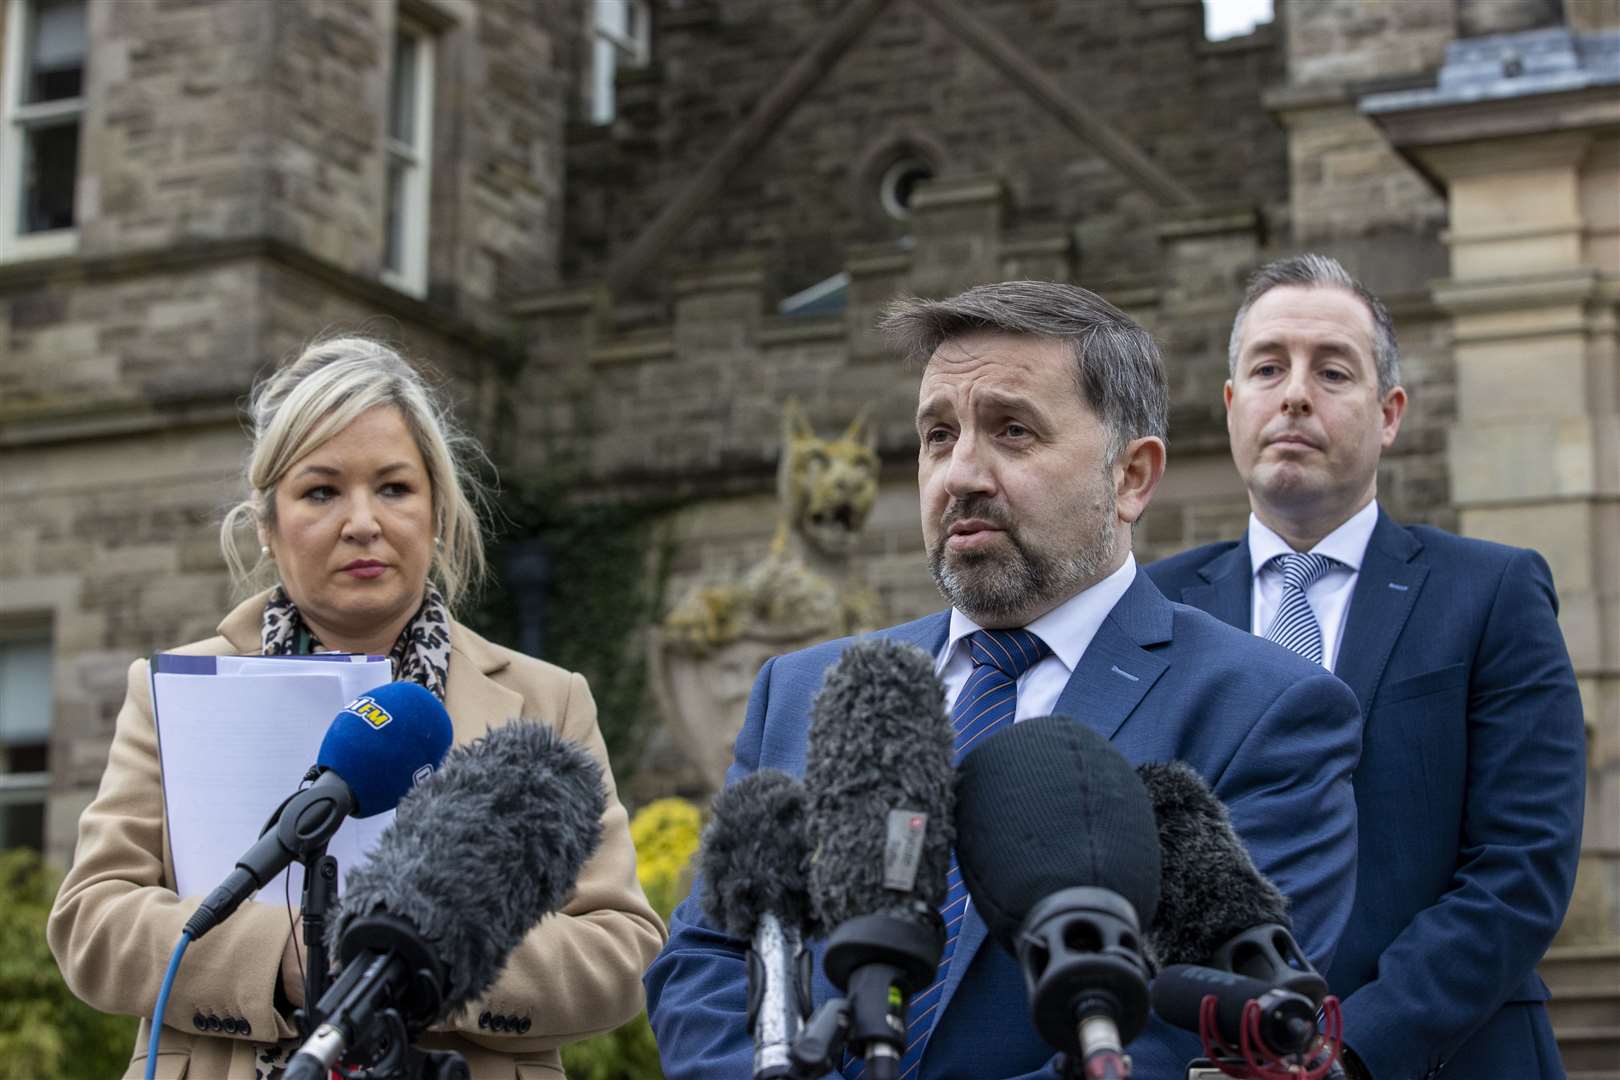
(988, 702)
(1294, 626)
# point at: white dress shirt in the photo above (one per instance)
(1067, 629)
(1328, 595)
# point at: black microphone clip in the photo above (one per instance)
(879, 961)
(298, 830)
(1081, 954)
(390, 990)
(1270, 954)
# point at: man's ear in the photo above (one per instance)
(1136, 476)
(1394, 407)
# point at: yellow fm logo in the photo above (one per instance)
(372, 713)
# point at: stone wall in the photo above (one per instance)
(230, 204)
(912, 80)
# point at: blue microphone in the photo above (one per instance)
(381, 745)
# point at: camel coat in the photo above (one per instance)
(117, 917)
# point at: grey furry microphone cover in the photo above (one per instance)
(1210, 889)
(482, 849)
(755, 857)
(880, 740)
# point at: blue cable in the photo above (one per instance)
(163, 1003)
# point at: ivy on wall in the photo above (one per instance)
(606, 567)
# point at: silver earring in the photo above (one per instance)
(438, 541)
(264, 551)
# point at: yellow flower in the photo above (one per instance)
(665, 833)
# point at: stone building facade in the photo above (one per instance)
(632, 296)
(229, 205)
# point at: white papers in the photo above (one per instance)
(236, 735)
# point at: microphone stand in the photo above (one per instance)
(320, 889)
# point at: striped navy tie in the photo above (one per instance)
(988, 702)
(1294, 626)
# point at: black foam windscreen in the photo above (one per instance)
(879, 744)
(480, 851)
(755, 856)
(1210, 890)
(1046, 805)
(1286, 1020)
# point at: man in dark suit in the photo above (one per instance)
(1041, 418)
(1472, 774)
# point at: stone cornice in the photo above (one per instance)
(43, 426)
(1470, 121)
(66, 271)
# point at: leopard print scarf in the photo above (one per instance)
(420, 655)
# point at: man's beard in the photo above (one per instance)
(1001, 588)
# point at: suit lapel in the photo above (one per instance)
(1116, 671)
(1114, 674)
(1386, 588)
(1229, 593)
(927, 633)
(476, 702)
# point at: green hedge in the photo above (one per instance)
(44, 1030)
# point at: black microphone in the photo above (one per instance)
(381, 744)
(1057, 844)
(1283, 1022)
(754, 859)
(476, 856)
(1217, 910)
(879, 779)
(1220, 914)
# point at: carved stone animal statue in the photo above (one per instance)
(806, 586)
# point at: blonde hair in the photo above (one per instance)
(306, 403)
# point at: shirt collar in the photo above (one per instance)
(1068, 628)
(1346, 544)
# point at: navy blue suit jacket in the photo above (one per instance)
(1276, 736)
(1470, 792)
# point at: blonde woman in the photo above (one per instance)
(359, 497)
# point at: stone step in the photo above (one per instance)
(1582, 967)
(1585, 1009)
(1589, 1049)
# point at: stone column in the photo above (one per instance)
(1524, 136)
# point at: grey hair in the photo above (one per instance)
(1118, 369)
(303, 405)
(1313, 271)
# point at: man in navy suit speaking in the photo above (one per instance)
(1470, 788)
(1041, 424)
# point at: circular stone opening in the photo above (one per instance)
(900, 182)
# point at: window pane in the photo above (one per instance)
(50, 165)
(55, 60)
(604, 58)
(402, 95)
(394, 217)
(22, 824)
(25, 694)
(31, 758)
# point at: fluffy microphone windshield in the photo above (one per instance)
(755, 856)
(880, 742)
(479, 852)
(1211, 888)
(1047, 805)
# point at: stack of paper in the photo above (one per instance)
(235, 736)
